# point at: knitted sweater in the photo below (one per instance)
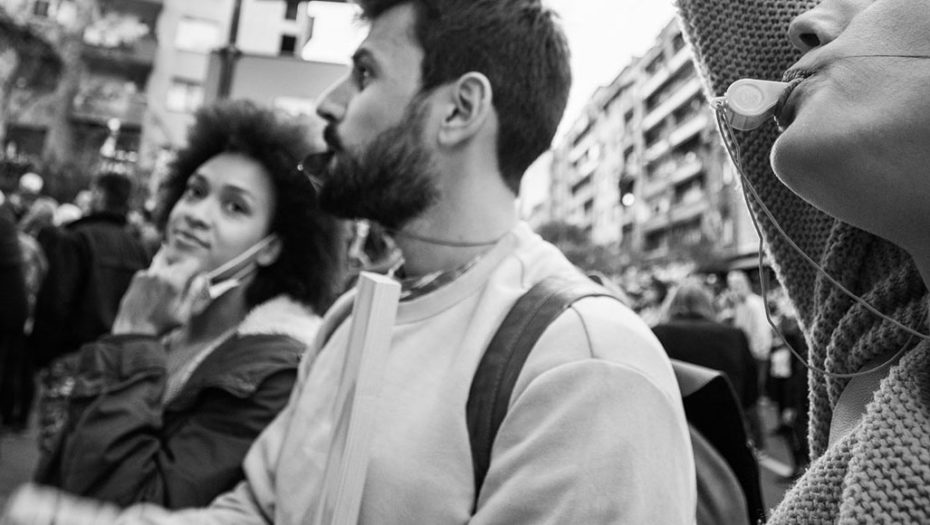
(880, 471)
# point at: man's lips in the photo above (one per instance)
(332, 138)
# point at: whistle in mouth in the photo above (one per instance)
(750, 102)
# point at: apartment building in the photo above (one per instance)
(643, 167)
(116, 52)
(268, 67)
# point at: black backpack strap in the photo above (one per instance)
(497, 373)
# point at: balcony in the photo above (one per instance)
(675, 99)
(129, 108)
(660, 221)
(139, 55)
(687, 130)
(686, 166)
(656, 150)
(687, 210)
(662, 75)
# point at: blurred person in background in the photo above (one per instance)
(35, 262)
(749, 316)
(27, 191)
(788, 384)
(651, 301)
(90, 264)
(13, 313)
(165, 407)
(66, 213)
(748, 311)
(84, 201)
(690, 332)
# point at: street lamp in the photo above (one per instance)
(229, 54)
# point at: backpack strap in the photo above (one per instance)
(497, 373)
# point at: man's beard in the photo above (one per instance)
(391, 182)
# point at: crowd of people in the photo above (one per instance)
(207, 377)
(54, 253)
(721, 323)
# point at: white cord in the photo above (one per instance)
(729, 142)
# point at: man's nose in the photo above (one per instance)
(821, 25)
(333, 101)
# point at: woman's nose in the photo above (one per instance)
(821, 25)
(196, 214)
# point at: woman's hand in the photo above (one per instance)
(159, 298)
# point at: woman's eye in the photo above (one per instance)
(236, 208)
(193, 191)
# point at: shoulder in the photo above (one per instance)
(273, 337)
(281, 316)
(600, 335)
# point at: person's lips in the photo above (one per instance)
(186, 238)
(786, 107)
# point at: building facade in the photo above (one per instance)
(269, 39)
(643, 167)
(95, 114)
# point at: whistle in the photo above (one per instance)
(750, 102)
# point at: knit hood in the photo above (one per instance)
(748, 39)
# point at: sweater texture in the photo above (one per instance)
(879, 472)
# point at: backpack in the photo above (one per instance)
(727, 473)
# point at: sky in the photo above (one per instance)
(604, 35)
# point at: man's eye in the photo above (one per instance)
(362, 75)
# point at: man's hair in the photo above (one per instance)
(518, 45)
(116, 190)
(310, 266)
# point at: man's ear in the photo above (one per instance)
(469, 106)
(270, 253)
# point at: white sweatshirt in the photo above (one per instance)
(595, 432)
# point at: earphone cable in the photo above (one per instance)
(732, 147)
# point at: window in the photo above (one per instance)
(288, 44)
(184, 95)
(197, 35)
(678, 42)
(310, 23)
(41, 8)
(290, 10)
